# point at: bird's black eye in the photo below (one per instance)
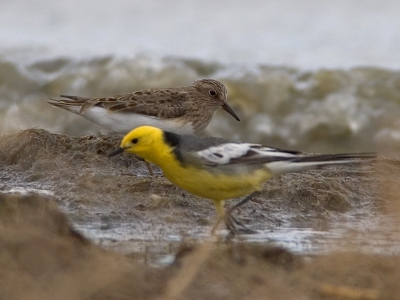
(212, 93)
(134, 141)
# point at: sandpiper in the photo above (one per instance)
(182, 110)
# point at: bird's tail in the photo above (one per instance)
(302, 163)
(72, 103)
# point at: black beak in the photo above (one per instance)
(227, 108)
(115, 152)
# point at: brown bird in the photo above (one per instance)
(182, 110)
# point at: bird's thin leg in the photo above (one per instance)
(233, 224)
(215, 226)
(149, 168)
(243, 201)
(236, 227)
(219, 206)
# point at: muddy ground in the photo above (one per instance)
(75, 224)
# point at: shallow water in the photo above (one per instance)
(155, 242)
(368, 234)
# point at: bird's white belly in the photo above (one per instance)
(122, 123)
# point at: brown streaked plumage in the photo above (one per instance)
(183, 110)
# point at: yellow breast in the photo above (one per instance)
(216, 185)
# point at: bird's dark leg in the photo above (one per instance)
(243, 201)
(235, 226)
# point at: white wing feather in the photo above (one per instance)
(224, 153)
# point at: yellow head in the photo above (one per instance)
(145, 141)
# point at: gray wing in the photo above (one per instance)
(216, 152)
(276, 160)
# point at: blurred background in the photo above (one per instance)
(320, 76)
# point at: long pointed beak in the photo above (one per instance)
(227, 108)
(115, 152)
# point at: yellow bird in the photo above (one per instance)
(220, 169)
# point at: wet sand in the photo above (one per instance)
(50, 247)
